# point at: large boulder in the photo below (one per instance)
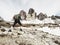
(23, 14)
(58, 17)
(41, 16)
(31, 14)
(53, 17)
(31, 11)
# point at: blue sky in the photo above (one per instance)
(10, 7)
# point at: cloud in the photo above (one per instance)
(10, 7)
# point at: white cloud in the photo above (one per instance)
(10, 7)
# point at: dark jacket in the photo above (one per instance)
(18, 17)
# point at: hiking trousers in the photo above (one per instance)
(17, 21)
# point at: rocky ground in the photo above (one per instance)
(27, 36)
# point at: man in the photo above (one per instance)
(17, 19)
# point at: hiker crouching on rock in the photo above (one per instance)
(17, 19)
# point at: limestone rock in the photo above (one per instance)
(31, 14)
(23, 14)
(41, 16)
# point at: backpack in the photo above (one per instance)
(16, 17)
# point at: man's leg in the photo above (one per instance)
(14, 23)
(19, 23)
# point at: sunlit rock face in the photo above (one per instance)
(41, 16)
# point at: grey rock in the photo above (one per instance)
(3, 30)
(41, 16)
(23, 14)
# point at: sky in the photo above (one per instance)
(8, 8)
